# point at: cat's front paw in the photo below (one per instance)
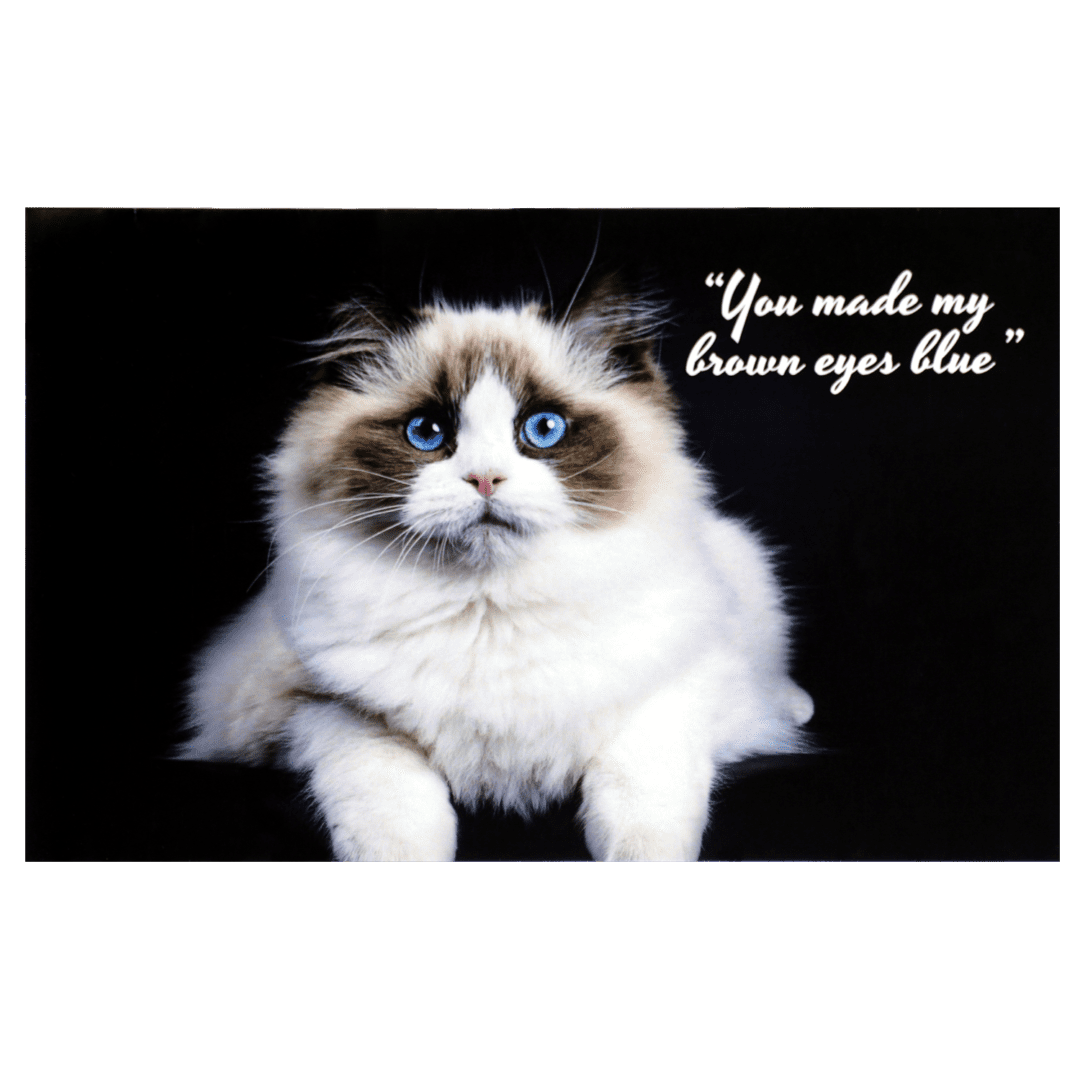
(362, 833)
(642, 844)
(622, 828)
(381, 800)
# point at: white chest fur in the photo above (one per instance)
(514, 679)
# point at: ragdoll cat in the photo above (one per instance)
(498, 576)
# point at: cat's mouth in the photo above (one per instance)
(491, 538)
(493, 520)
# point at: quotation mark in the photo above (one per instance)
(1011, 334)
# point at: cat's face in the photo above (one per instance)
(492, 468)
(465, 437)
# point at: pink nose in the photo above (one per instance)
(485, 483)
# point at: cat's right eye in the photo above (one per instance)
(425, 433)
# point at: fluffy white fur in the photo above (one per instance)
(632, 651)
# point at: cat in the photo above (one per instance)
(498, 576)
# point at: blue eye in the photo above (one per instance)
(424, 433)
(544, 429)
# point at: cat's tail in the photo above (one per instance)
(242, 691)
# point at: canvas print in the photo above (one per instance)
(502, 535)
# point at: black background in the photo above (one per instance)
(918, 514)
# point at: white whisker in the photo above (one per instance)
(588, 467)
(592, 257)
(297, 614)
(370, 472)
(330, 502)
(420, 554)
(352, 519)
(551, 295)
(595, 506)
(414, 539)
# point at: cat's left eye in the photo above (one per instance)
(425, 433)
(544, 429)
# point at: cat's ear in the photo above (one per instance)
(362, 329)
(622, 314)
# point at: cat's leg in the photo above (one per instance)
(645, 796)
(380, 798)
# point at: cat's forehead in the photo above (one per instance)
(450, 351)
(488, 399)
